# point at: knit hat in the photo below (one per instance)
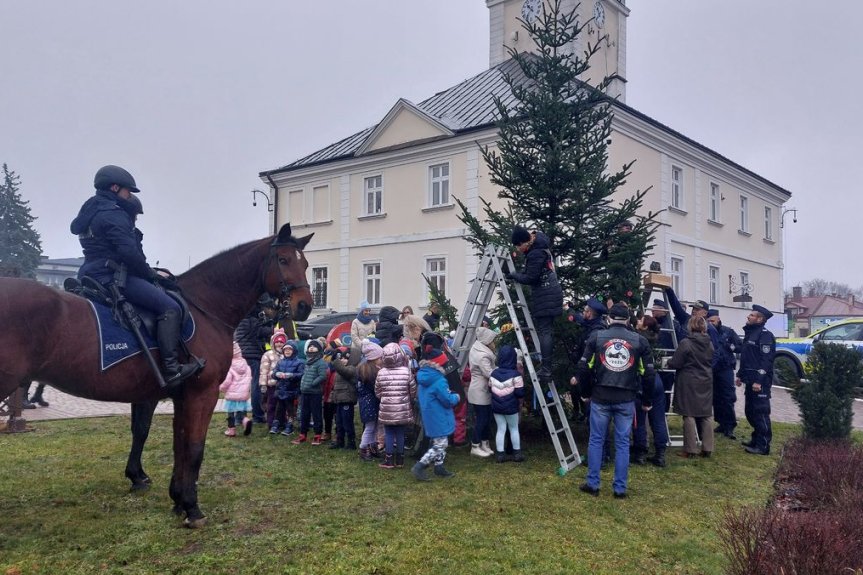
(313, 347)
(520, 235)
(278, 336)
(364, 305)
(372, 351)
(436, 356)
(618, 311)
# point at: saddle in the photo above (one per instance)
(90, 289)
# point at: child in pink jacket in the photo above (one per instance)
(237, 388)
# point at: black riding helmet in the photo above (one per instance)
(138, 207)
(109, 175)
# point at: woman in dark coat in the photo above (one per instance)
(693, 388)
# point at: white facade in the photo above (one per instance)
(382, 202)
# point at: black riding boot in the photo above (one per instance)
(37, 397)
(168, 337)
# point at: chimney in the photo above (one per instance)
(811, 292)
(797, 294)
(851, 299)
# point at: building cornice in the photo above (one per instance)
(386, 240)
(720, 249)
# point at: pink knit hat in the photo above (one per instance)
(372, 351)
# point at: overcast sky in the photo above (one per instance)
(196, 97)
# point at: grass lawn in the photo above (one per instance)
(273, 507)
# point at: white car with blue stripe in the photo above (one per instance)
(794, 351)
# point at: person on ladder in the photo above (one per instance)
(546, 295)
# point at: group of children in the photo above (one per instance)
(317, 383)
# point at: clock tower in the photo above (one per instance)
(607, 26)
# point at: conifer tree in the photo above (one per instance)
(20, 245)
(551, 165)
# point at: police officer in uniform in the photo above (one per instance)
(105, 226)
(724, 395)
(623, 364)
(591, 319)
(756, 373)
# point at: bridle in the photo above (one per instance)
(285, 287)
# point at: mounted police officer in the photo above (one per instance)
(724, 395)
(756, 372)
(623, 362)
(105, 226)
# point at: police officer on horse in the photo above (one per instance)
(105, 226)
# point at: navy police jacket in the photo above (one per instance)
(106, 230)
(546, 295)
(756, 356)
(729, 346)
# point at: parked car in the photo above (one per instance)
(793, 352)
(322, 325)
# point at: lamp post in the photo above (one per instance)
(266, 196)
(785, 212)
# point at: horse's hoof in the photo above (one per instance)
(178, 510)
(195, 523)
(140, 486)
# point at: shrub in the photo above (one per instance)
(826, 400)
(824, 474)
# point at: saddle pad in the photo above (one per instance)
(117, 343)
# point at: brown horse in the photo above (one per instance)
(50, 336)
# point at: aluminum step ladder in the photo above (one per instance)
(490, 280)
(649, 290)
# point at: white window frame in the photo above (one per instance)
(768, 223)
(714, 199)
(435, 275)
(299, 218)
(372, 282)
(374, 193)
(315, 286)
(713, 284)
(743, 206)
(675, 270)
(443, 182)
(677, 188)
(311, 195)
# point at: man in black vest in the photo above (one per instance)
(623, 365)
(756, 372)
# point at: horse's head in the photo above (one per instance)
(285, 274)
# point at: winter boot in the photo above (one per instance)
(387, 463)
(374, 451)
(365, 455)
(441, 471)
(37, 397)
(289, 428)
(316, 440)
(517, 455)
(338, 442)
(659, 458)
(500, 457)
(485, 447)
(247, 426)
(326, 437)
(231, 432)
(168, 338)
(300, 439)
(639, 456)
(419, 471)
(275, 428)
(351, 444)
(400, 460)
(476, 449)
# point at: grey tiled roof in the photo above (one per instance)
(467, 105)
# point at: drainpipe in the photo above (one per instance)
(275, 192)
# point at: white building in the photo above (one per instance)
(380, 201)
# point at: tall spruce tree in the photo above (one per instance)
(20, 245)
(550, 163)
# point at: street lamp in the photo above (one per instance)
(787, 211)
(267, 196)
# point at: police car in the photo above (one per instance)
(793, 352)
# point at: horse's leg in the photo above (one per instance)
(142, 419)
(174, 489)
(194, 422)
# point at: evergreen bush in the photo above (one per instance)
(826, 400)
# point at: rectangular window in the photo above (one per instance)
(714, 284)
(319, 287)
(373, 195)
(320, 204)
(768, 223)
(439, 185)
(372, 283)
(436, 273)
(713, 204)
(744, 214)
(676, 273)
(296, 207)
(676, 187)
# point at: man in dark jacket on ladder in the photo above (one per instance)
(546, 295)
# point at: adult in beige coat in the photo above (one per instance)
(481, 359)
(693, 388)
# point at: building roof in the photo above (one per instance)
(61, 262)
(470, 105)
(826, 306)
